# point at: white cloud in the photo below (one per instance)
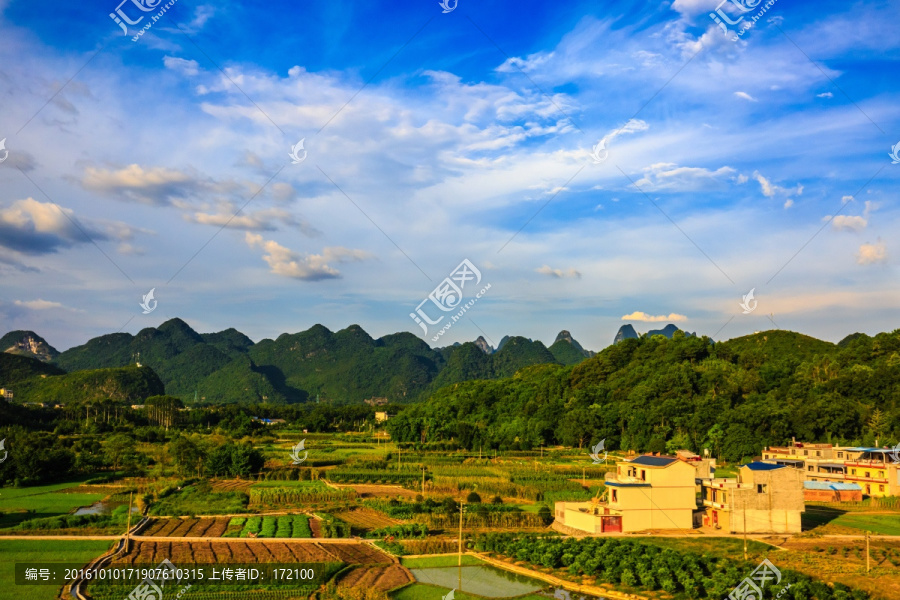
(770, 190)
(852, 222)
(746, 96)
(672, 177)
(848, 223)
(311, 267)
(33, 227)
(869, 254)
(825, 95)
(38, 304)
(642, 316)
(181, 65)
(690, 8)
(558, 273)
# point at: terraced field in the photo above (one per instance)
(191, 527)
(224, 552)
(382, 578)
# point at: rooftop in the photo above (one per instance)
(761, 466)
(653, 461)
(831, 485)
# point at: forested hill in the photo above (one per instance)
(347, 366)
(657, 395)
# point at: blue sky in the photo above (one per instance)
(434, 137)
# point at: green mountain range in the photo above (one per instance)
(658, 394)
(347, 366)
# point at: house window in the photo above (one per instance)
(806, 453)
(761, 488)
(818, 453)
(809, 468)
(615, 497)
(868, 474)
(853, 471)
(880, 488)
(881, 474)
(840, 455)
(643, 475)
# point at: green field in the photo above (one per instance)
(423, 591)
(883, 524)
(42, 501)
(444, 560)
(13, 551)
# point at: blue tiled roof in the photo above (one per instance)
(761, 466)
(831, 485)
(653, 461)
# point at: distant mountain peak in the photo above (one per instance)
(485, 347)
(668, 331)
(28, 343)
(626, 332)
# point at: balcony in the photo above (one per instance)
(623, 479)
(881, 464)
(719, 505)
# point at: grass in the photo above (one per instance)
(424, 591)
(287, 483)
(42, 500)
(444, 560)
(884, 524)
(69, 551)
(721, 547)
(192, 501)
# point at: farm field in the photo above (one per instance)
(188, 527)
(20, 504)
(364, 518)
(13, 551)
(844, 561)
(222, 552)
(827, 521)
(383, 578)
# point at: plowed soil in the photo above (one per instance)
(186, 527)
(381, 578)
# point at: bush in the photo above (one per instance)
(473, 498)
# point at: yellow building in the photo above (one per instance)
(874, 470)
(646, 492)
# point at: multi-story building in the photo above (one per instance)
(646, 492)
(763, 498)
(874, 469)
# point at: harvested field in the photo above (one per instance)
(381, 578)
(231, 485)
(379, 491)
(366, 518)
(186, 553)
(844, 561)
(315, 525)
(191, 527)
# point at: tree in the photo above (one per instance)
(116, 448)
(473, 498)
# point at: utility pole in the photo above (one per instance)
(867, 551)
(128, 525)
(459, 581)
(745, 533)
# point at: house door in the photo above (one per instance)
(715, 517)
(612, 524)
